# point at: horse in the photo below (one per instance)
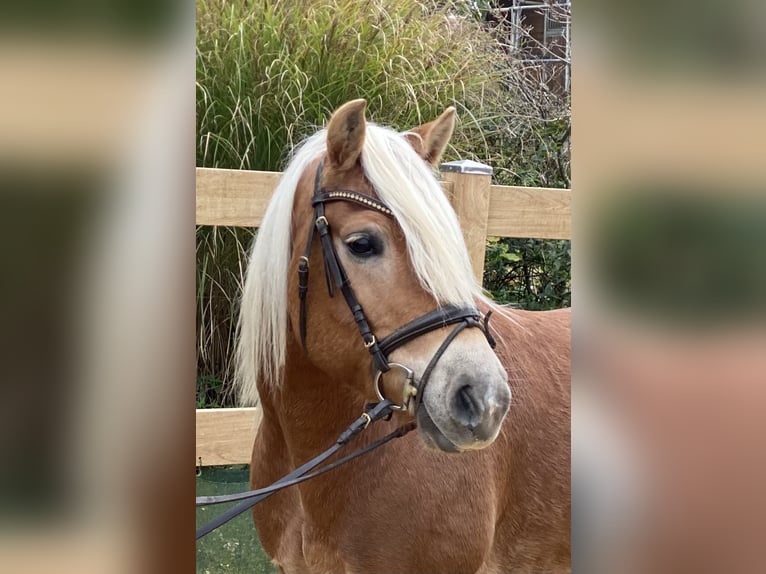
(483, 486)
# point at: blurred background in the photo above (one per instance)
(96, 286)
(669, 283)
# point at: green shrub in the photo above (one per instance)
(528, 273)
(270, 73)
(221, 258)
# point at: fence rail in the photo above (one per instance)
(225, 436)
(239, 198)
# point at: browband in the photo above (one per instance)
(354, 197)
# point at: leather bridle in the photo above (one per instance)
(337, 278)
(461, 317)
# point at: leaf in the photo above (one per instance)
(511, 256)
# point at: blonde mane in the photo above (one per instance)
(434, 242)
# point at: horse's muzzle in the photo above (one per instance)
(472, 415)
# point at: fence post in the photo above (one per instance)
(471, 182)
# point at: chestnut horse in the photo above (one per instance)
(480, 487)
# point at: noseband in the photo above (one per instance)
(337, 278)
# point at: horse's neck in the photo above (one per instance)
(311, 408)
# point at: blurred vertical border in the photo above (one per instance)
(669, 285)
(97, 286)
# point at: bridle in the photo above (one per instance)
(337, 278)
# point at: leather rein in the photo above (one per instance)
(337, 279)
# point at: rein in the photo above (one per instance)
(381, 410)
(336, 277)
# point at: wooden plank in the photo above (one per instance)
(233, 197)
(534, 212)
(239, 198)
(471, 200)
(225, 436)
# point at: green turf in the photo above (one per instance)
(234, 547)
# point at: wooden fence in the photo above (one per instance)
(239, 198)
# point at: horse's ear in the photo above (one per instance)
(430, 139)
(345, 134)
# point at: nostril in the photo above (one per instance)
(468, 409)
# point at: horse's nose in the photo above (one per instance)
(479, 405)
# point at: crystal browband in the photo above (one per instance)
(356, 197)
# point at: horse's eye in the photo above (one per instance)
(362, 246)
